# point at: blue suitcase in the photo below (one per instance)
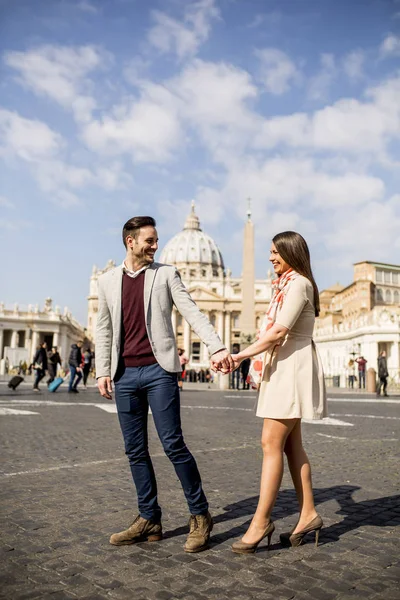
(54, 385)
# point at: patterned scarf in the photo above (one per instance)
(280, 287)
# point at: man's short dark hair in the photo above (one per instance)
(133, 226)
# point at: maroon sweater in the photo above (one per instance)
(136, 348)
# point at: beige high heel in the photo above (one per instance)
(242, 548)
(295, 539)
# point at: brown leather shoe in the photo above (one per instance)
(141, 530)
(199, 534)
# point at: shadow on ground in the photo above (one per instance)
(378, 512)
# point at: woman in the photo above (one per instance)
(352, 373)
(291, 386)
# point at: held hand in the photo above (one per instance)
(222, 361)
(105, 387)
(236, 361)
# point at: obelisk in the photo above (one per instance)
(248, 317)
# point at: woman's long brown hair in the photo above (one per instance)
(294, 250)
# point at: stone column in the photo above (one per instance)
(220, 325)
(186, 338)
(1, 343)
(204, 356)
(247, 316)
(27, 339)
(227, 336)
(393, 361)
(55, 338)
(14, 339)
(35, 342)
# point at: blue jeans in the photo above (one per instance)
(135, 389)
(73, 384)
(361, 379)
(236, 379)
(40, 373)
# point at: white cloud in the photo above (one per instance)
(148, 128)
(86, 6)
(30, 140)
(271, 18)
(183, 37)
(277, 70)
(353, 65)
(214, 94)
(286, 185)
(375, 229)
(390, 46)
(60, 73)
(6, 203)
(347, 125)
(320, 84)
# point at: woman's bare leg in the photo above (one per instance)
(273, 439)
(300, 470)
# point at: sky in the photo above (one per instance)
(116, 108)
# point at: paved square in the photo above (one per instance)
(65, 486)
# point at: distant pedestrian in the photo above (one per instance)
(383, 374)
(40, 365)
(235, 375)
(244, 369)
(351, 369)
(87, 364)
(361, 361)
(53, 360)
(75, 361)
(183, 360)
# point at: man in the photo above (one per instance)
(361, 361)
(87, 364)
(383, 374)
(53, 359)
(75, 362)
(40, 365)
(136, 347)
(235, 381)
(244, 369)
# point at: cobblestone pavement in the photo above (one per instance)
(65, 487)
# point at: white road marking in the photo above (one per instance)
(110, 408)
(366, 416)
(14, 411)
(357, 440)
(218, 407)
(364, 400)
(328, 421)
(333, 437)
(113, 460)
(351, 399)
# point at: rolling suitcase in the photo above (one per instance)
(14, 382)
(55, 384)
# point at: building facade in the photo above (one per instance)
(361, 319)
(23, 330)
(234, 305)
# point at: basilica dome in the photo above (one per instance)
(194, 249)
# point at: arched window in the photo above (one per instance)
(379, 295)
(388, 296)
(396, 297)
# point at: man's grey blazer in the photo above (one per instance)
(163, 288)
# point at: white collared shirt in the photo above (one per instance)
(133, 274)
